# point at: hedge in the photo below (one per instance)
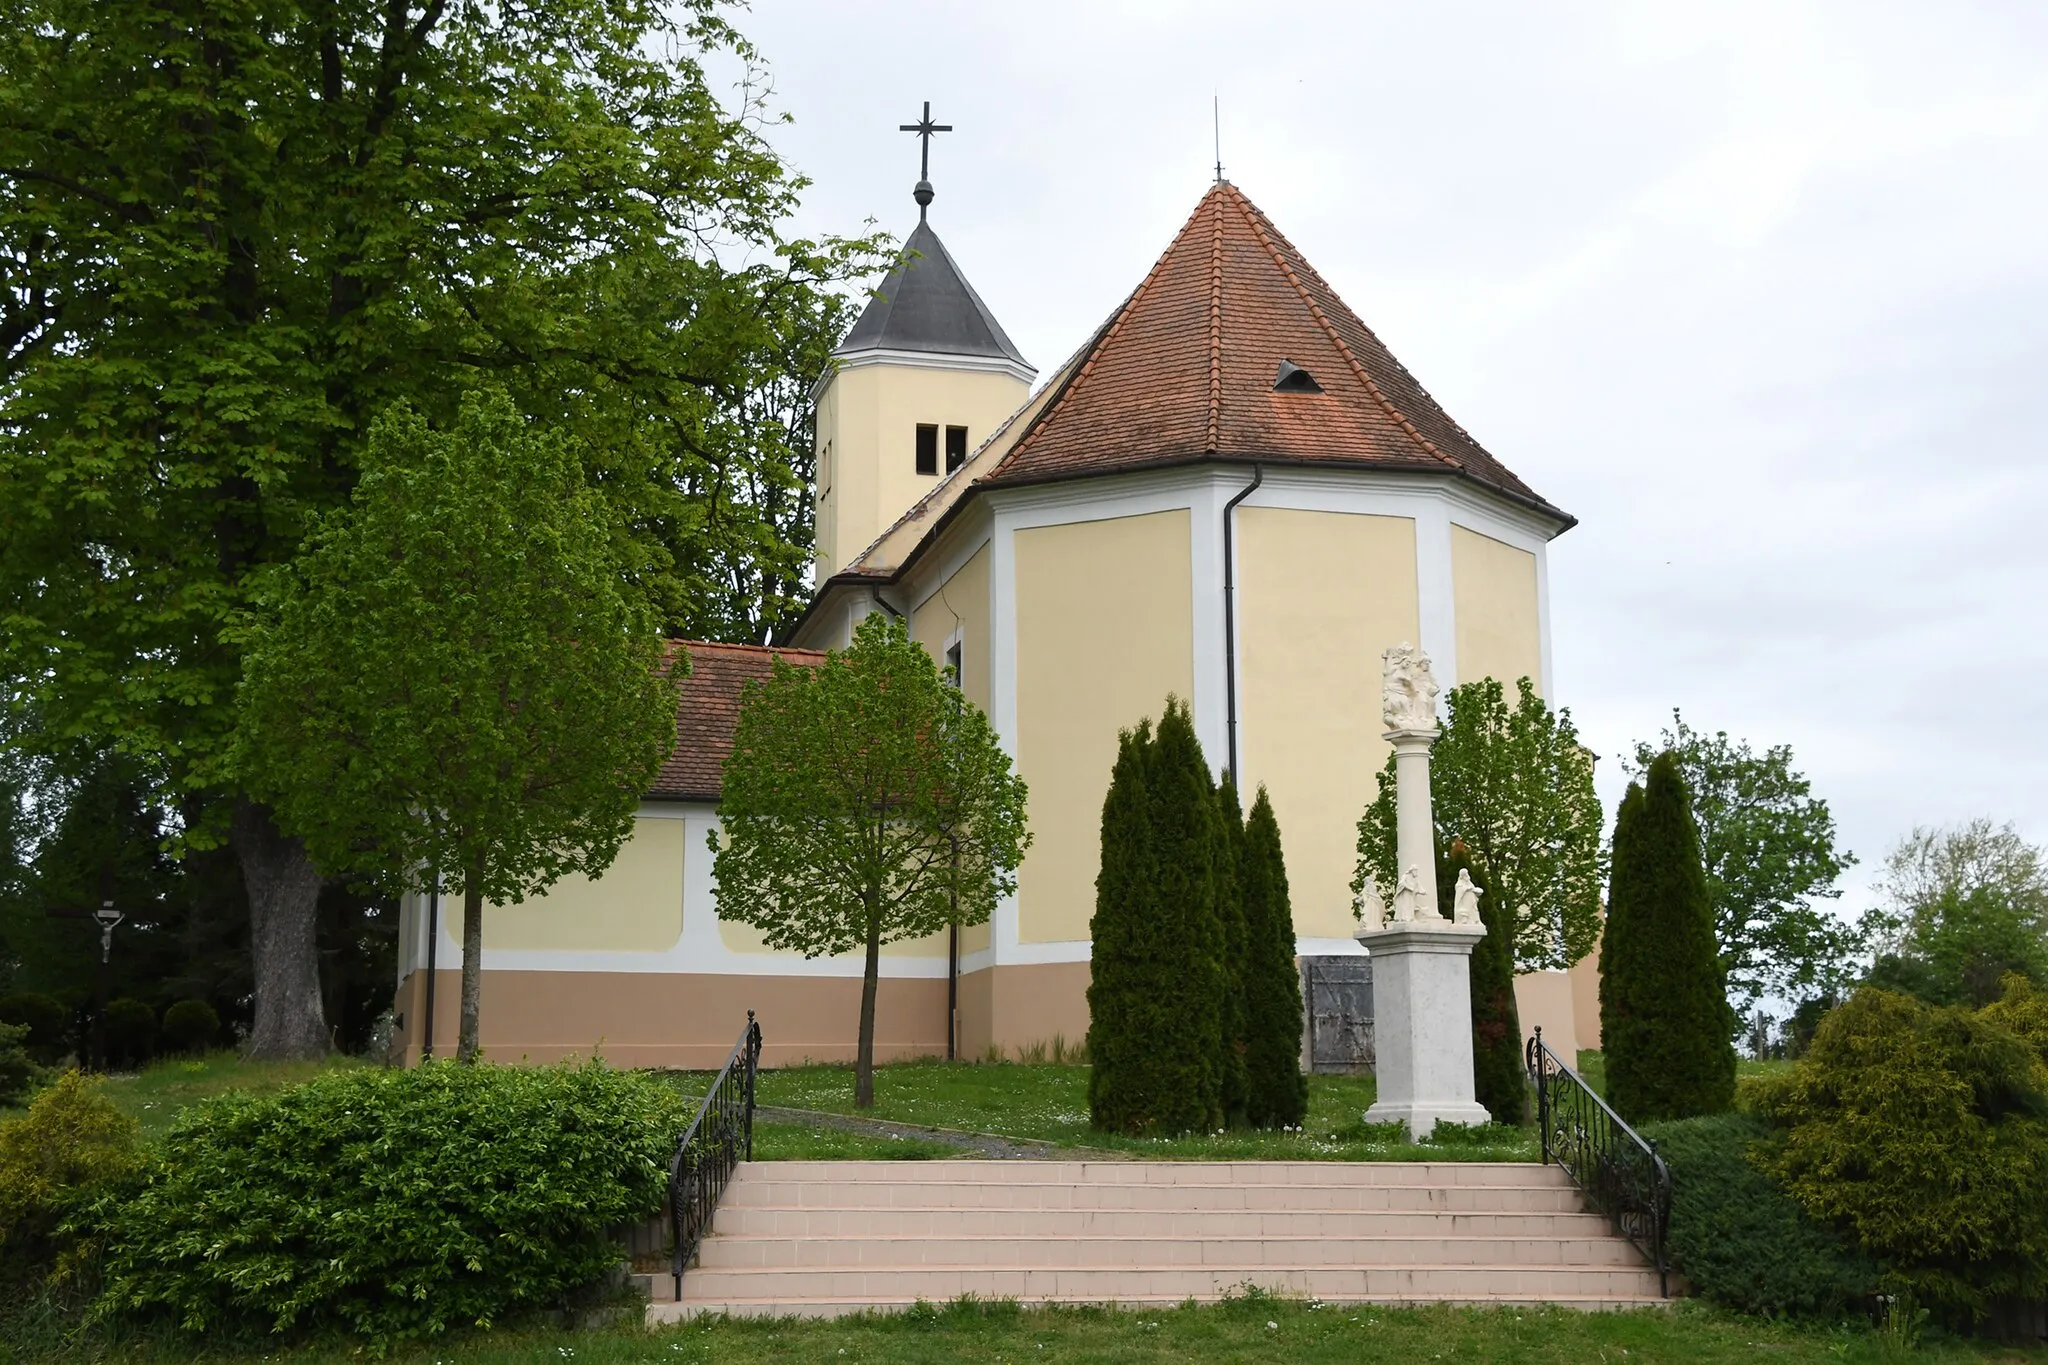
(1739, 1239)
(390, 1204)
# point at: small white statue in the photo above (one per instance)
(1372, 908)
(1408, 691)
(1465, 900)
(1408, 897)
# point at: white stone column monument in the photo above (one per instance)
(1421, 970)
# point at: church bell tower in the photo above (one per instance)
(924, 377)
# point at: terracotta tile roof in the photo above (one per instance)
(707, 711)
(1185, 370)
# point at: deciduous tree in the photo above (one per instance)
(458, 677)
(233, 234)
(1768, 845)
(1516, 786)
(866, 801)
(1962, 907)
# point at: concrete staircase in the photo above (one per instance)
(822, 1238)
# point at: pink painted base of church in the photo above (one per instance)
(661, 1019)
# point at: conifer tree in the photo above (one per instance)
(1123, 1001)
(1500, 1080)
(1156, 994)
(1665, 1021)
(1231, 923)
(1277, 1091)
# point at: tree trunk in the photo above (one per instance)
(864, 1057)
(472, 962)
(284, 905)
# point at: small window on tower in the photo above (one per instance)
(956, 448)
(927, 449)
(953, 663)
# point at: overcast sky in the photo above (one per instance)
(1759, 292)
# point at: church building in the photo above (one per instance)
(1232, 493)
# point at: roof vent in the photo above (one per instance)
(1291, 378)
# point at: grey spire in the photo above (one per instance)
(926, 304)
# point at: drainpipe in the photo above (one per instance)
(433, 937)
(1230, 616)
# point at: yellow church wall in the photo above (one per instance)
(1320, 596)
(960, 603)
(744, 938)
(635, 906)
(868, 416)
(1104, 632)
(1493, 588)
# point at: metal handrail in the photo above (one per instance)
(1615, 1167)
(711, 1147)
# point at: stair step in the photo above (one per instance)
(796, 1221)
(819, 1238)
(667, 1311)
(1171, 1283)
(1088, 1253)
(1014, 1173)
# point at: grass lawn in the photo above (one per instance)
(155, 1095)
(1593, 1066)
(1049, 1103)
(1255, 1328)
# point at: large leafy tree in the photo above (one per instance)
(1962, 907)
(1665, 1021)
(457, 679)
(233, 231)
(1516, 787)
(866, 801)
(1769, 849)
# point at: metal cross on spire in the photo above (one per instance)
(924, 128)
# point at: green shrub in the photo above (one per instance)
(190, 1026)
(71, 1144)
(131, 1032)
(1665, 1023)
(1924, 1130)
(1740, 1239)
(49, 1024)
(17, 1069)
(2022, 1010)
(392, 1204)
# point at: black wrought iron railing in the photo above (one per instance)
(721, 1136)
(1615, 1167)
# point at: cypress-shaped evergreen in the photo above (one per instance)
(1123, 999)
(1665, 1022)
(1186, 837)
(1156, 990)
(1499, 1076)
(1276, 1091)
(1230, 917)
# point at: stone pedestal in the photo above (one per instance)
(1422, 1024)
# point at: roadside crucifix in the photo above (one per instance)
(106, 916)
